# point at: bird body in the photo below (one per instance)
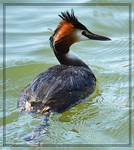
(63, 85)
(58, 88)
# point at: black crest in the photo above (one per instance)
(70, 17)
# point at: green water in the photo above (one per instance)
(102, 118)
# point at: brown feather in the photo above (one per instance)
(65, 30)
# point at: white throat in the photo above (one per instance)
(71, 55)
(80, 36)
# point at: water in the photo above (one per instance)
(101, 119)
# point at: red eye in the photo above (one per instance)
(83, 32)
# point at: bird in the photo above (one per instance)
(63, 85)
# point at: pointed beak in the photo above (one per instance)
(93, 36)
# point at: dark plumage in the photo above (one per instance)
(70, 17)
(59, 87)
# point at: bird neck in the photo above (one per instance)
(65, 57)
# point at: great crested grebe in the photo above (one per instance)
(63, 85)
